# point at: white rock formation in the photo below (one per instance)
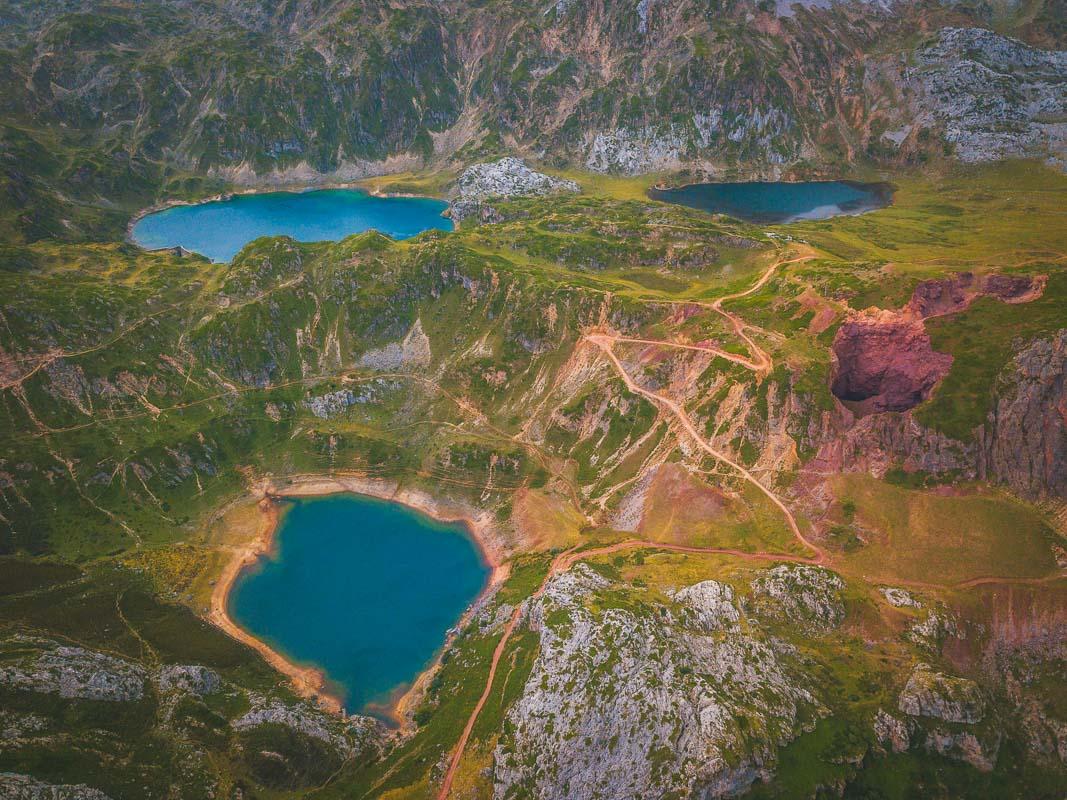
(75, 673)
(506, 178)
(630, 701)
(939, 696)
(807, 596)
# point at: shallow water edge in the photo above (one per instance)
(253, 192)
(779, 202)
(307, 680)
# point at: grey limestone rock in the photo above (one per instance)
(939, 696)
(978, 751)
(994, 96)
(809, 596)
(24, 787)
(348, 736)
(411, 352)
(711, 604)
(74, 673)
(506, 178)
(629, 702)
(189, 678)
(899, 598)
(891, 732)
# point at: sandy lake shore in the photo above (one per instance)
(310, 682)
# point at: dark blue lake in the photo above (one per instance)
(362, 588)
(221, 228)
(780, 202)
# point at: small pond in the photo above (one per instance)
(361, 588)
(774, 202)
(219, 229)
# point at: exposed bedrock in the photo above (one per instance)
(646, 701)
(1024, 442)
(509, 177)
(885, 362)
(956, 292)
(993, 96)
(878, 442)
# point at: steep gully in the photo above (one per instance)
(761, 363)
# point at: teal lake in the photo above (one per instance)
(220, 229)
(767, 202)
(364, 589)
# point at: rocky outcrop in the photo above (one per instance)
(807, 596)
(979, 752)
(944, 697)
(189, 679)
(709, 605)
(883, 361)
(930, 633)
(73, 673)
(411, 352)
(331, 404)
(934, 696)
(635, 702)
(509, 177)
(632, 152)
(878, 442)
(1024, 443)
(899, 598)
(25, 787)
(955, 293)
(993, 97)
(354, 735)
(891, 732)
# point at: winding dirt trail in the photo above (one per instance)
(516, 616)
(761, 363)
(561, 563)
(755, 366)
(739, 325)
(605, 343)
(42, 360)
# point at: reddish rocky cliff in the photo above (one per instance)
(883, 364)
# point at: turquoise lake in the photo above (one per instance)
(219, 229)
(771, 202)
(362, 588)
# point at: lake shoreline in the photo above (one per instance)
(879, 196)
(308, 681)
(230, 194)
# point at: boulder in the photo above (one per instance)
(899, 598)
